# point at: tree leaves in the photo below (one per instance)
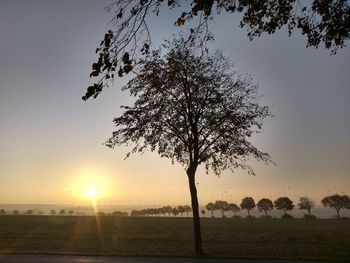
(192, 109)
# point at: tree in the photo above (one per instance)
(193, 109)
(181, 209)
(337, 202)
(321, 21)
(284, 204)
(203, 212)
(234, 208)
(2, 212)
(222, 206)
(15, 212)
(71, 212)
(306, 203)
(52, 212)
(210, 207)
(248, 204)
(265, 205)
(168, 209)
(187, 209)
(174, 211)
(62, 212)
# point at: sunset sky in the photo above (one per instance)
(51, 143)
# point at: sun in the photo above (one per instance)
(90, 191)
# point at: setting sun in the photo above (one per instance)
(90, 191)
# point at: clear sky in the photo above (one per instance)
(51, 143)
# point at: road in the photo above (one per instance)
(91, 259)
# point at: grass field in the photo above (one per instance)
(241, 238)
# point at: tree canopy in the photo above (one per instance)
(248, 203)
(306, 203)
(337, 202)
(284, 204)
(324, 22)
(265, 205)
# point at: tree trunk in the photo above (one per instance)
(265, 212)
(191, 171)
(338, 214)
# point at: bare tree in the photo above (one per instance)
(193, 109)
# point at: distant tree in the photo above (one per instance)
(194, 109)
(337, 202)
(29, 212)
(62, 212)
(168, 209)
(119, 213)
(15, 212)
(248, 204)
(53, 212)
(234, 208)
(284, 204)
(188, 209)
(2, 212)
(174, 211)
(265, 205)
(211, 208)
(203, 212)
(71, 212)
(221, 206)
(306, 203)
(181, 209)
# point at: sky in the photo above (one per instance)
(51, 142)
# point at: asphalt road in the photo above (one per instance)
(88, 259)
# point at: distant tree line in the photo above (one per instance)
(284, 204)
(163, 211)
(265, 205)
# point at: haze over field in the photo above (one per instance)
(51, 141)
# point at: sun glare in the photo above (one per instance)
(90, 191)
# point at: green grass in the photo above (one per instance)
(241, 238)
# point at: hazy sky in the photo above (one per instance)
(52, 142)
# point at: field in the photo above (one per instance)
(240, 238)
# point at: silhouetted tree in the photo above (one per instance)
(265, 205)
(28, 212)
(234, 208)
(181, 209)
(248, 204)
(174, 211)
(195, 110)
(52, 212)
(62, 212)
(222, 206)
(2, 212)
(15, 212)
(284, 204)
(210, 207)
(306, 203)
(337, 202)
(321, 21)
(188, 209)
(168, 209)
(203, 212)
(71, 212)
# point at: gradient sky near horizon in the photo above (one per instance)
(51, 142)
